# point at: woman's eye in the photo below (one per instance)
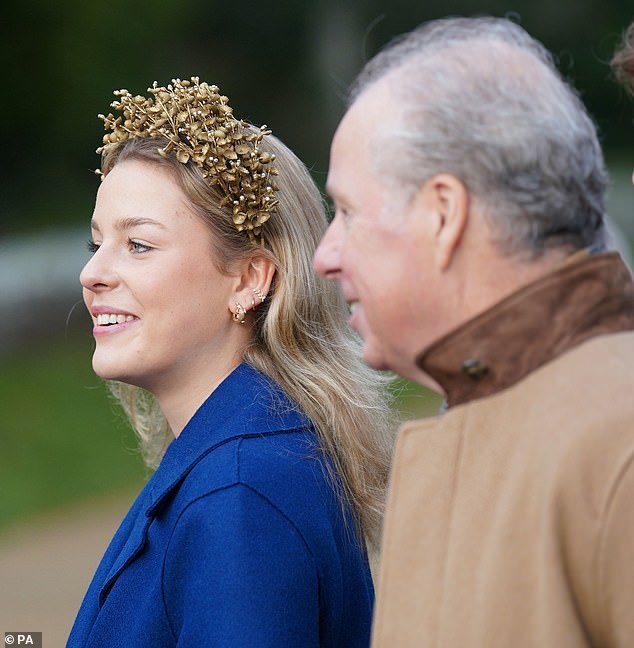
(137, 247)
(92, 246)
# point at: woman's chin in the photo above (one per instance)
(108, 371)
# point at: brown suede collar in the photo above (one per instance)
(580, 300)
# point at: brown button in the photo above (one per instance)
(475, 368)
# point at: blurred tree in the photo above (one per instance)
(286, 64)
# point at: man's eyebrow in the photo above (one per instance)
(333, 192)
(128, 223)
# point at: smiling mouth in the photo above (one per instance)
(108, 319)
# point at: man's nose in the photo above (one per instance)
(326, 260)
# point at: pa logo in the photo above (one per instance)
(32, 639)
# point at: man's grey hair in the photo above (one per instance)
(482, 100)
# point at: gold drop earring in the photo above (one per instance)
(240, 313)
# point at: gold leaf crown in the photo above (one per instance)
(199, 126)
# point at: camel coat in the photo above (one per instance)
(511, 516)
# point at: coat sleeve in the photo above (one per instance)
(238, 573)
(616, 563)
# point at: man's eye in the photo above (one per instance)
(345, 214)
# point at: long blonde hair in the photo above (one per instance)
(301, 337)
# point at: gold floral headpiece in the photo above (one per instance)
(199, 126)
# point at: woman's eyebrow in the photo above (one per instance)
(124, 224)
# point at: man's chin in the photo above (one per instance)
(373, 358)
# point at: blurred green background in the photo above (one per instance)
(286, 64)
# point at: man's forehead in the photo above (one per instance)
(352, 142)
(343, 150)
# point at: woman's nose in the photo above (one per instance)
(98, 273)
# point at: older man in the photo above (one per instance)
(468, 186)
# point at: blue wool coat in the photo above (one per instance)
(238, 539)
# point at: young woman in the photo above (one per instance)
(237, 369)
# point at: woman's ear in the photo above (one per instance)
(448, 198)
(255, 281)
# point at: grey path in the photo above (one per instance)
(46, 565)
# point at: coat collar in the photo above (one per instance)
(581, 299)
(246, 403)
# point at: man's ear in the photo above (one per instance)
(448, 199)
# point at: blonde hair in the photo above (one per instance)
(623, 60)
(301, 337)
